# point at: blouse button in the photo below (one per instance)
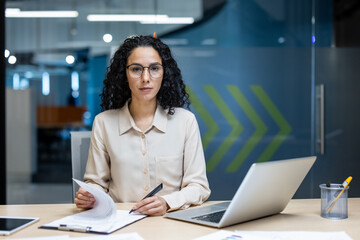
(145, 171)
(142, 136)
(146, 188)
(143, 153)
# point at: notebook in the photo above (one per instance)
(266, 190)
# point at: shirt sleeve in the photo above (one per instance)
(98, 165)
(195, 187)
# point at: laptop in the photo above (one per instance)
(266, 190)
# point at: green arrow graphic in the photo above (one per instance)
(231, 119)
(213, 128)
(260, 129)
(284, 126)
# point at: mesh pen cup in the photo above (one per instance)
(334, 201)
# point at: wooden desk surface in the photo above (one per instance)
(299, 215)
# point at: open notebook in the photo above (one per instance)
(266, 190)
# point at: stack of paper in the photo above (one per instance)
(102, 218)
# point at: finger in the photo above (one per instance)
(143, 203)
(80, 204)
(82, 201)
(84, 204)
(146, 207)
(160, 208)
(83, 197)
(156, 210)
(84, 192)
(150, 210)
(152, 207)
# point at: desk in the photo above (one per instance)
(299, 215)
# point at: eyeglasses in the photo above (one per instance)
(136, 70)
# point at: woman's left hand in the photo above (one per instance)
(152, 206)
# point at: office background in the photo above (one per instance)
(260, 74)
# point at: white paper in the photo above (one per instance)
(123, 236)
(60, 237)
(102, 218)
(275, 235)
(294, 235)
(221, 235)
(104, 208)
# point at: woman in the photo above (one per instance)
(144, 137)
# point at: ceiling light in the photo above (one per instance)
(171, 20)
(125, 17)
(6, 53)
(17, 13)
(45, 83)
(12, 10)
(24, 83)
(107, 37)
(12, 59)
(70, 59)
(16, 81)
(75, 81)
(28, 74)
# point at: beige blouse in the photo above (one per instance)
(128, 163)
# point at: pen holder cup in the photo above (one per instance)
(334, 201)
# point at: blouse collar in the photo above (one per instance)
(126, 121)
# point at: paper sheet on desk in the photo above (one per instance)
(275, 235)
(294, 235)
(102, 218)
(60, 237)
(123, 236)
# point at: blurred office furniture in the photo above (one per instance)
(21, 155)
(80, 142)
(54, 124)
(22, 158)
(60, 116)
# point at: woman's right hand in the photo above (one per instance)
(84, 199)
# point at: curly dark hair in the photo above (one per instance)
(116, 89)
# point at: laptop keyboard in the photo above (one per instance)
(211, 217)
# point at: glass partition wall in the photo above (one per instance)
(267, 81)
(57, 54)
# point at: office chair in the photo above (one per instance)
(80, 142)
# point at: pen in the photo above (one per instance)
(152, 193)
(75, 228)
(345, 184)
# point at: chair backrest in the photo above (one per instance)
(80, 142)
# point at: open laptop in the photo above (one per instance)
(266, 190)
